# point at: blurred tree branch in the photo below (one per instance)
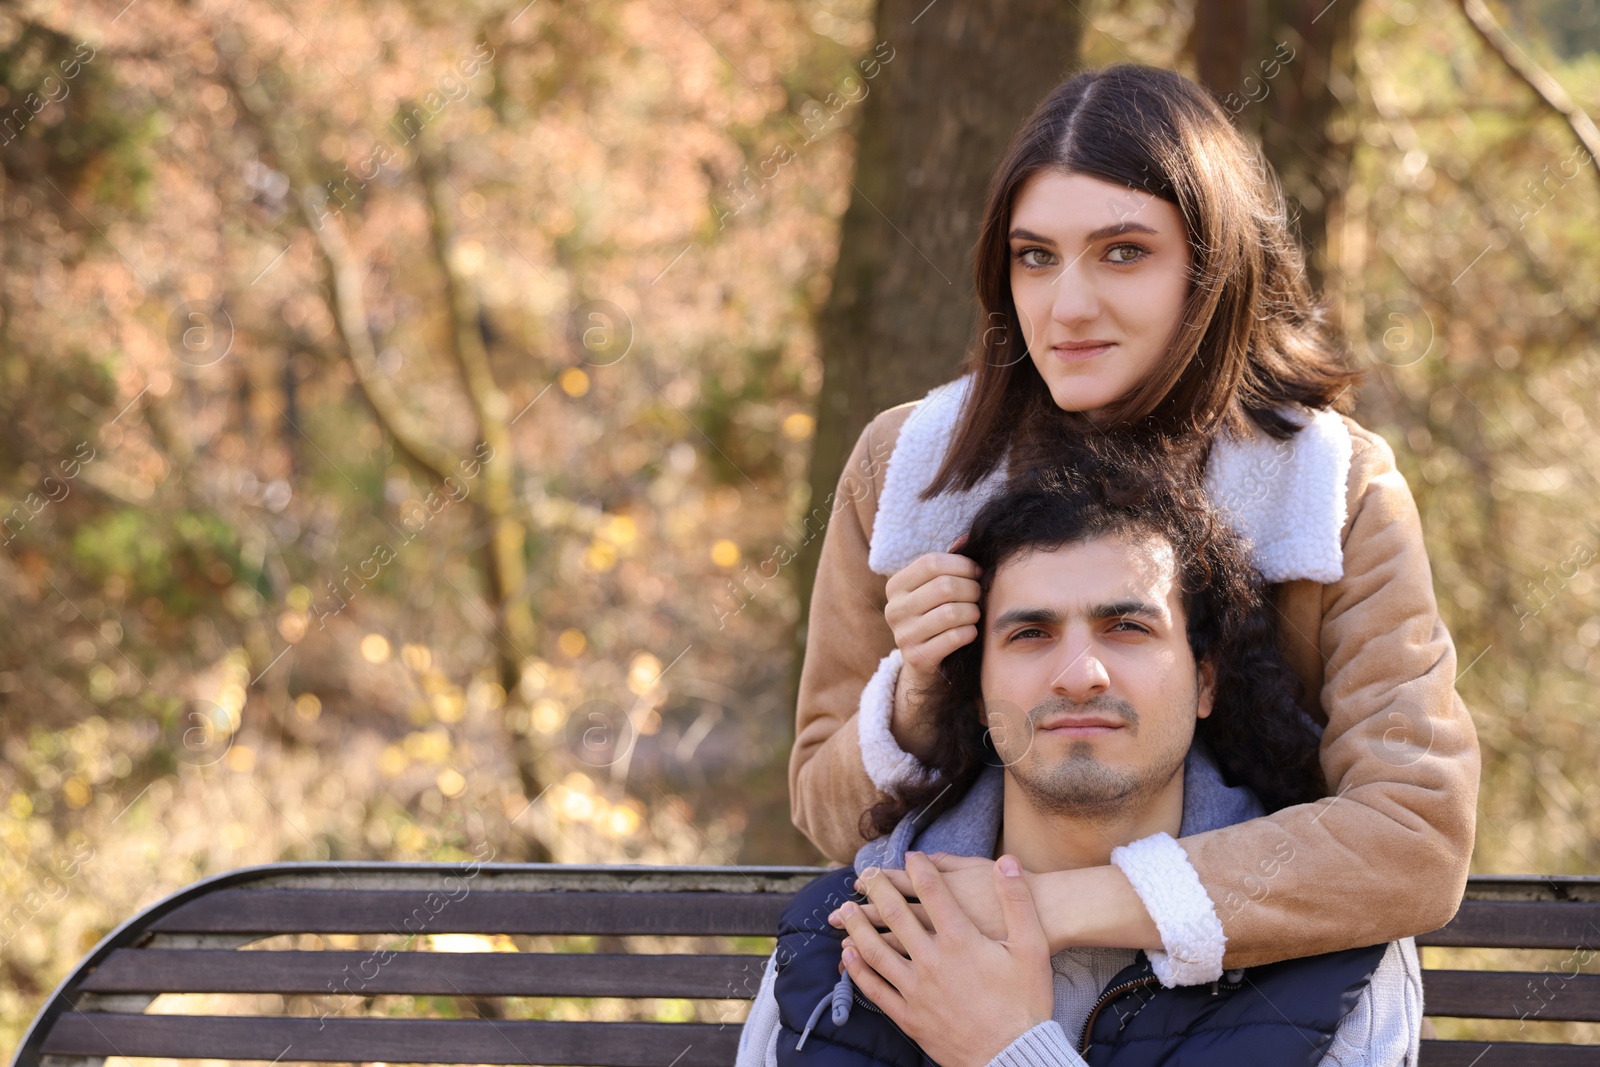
(495, 507)
(346, 272)
(1548, 90)
(507, 537)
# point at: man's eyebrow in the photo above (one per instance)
(1118, 609)
(1132, 608)
(1017, 616)
(1116, 229)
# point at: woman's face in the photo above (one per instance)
(1099, 274)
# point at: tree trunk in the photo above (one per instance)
(959, 80)
(1283, 69)
(1304, 122)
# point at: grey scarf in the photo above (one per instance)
(971, 826)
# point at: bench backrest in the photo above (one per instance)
(189, 943)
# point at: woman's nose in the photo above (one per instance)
(1075, 296)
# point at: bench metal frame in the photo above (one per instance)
(188, 942)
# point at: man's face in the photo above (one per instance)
(1090, 690)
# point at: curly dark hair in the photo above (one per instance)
(1257, 731)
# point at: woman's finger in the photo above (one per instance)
(935, 649)
(882, 927)
(931, 626)
(901, 881)
(870, 910)
(946, 599)
(928, 565)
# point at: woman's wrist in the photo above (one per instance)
(1092, 907)
(911, 729)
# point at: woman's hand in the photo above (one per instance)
(970, 881)
(963, 997)
(932, 608)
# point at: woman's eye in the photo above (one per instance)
(1022, 257)
(1136, 253)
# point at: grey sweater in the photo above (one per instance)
(1382, 1030)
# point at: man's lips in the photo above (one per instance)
(1082, 724)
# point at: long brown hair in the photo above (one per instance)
(1252, 339)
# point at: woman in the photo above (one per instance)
(1136, 271)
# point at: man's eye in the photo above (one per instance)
(1030, 630)
(1129, 626)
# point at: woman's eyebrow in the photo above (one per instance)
(1116, 229)
(1019, 234)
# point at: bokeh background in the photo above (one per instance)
(416, 420)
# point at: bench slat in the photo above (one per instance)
(395, 1040)
(1520, 924)
(338, 973)
(1479, 923)
(522, 1042)
(1466, 994)
(1503, 1054)
(368, 911)
(1548, 995)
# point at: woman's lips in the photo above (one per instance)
(1077, 355)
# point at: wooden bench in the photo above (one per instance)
(191, 941)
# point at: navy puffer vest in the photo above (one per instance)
(1282, 1013)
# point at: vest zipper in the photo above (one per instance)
(1111, 994)
(865, 1003)
(1105, 998)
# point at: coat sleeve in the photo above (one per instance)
(1391, 845)
(1385, 1027)
(1046, 1045)
(846, 638)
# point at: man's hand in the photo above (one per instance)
(971, 881)
(962, 996)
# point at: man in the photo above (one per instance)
(1124, 689)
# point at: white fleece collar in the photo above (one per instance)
(1287, 498)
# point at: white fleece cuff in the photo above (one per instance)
(1190, 931)
(888, 765)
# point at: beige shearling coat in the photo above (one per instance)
(1384, 857)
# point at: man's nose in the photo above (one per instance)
(1082, 673)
